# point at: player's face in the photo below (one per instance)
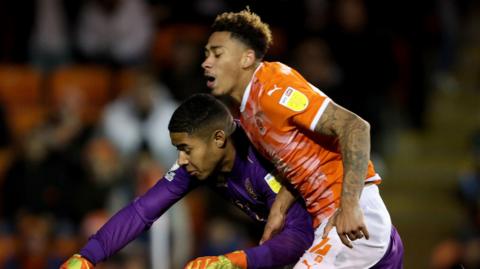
(200, 156)
(222, 65)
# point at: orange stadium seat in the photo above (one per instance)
(23, 119)
(20, 85)
(21, 95)
(123, 81)
(90, 84)
(8, 247)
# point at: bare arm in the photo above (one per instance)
(278, 212)
(353, 135)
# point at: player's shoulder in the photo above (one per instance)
(275, 78)
(277, 72)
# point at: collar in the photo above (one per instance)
(248, 89)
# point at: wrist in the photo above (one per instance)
(349, 203)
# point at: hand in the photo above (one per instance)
(77, 262)
(278, 212)
(274, 225)
(234, 260)
(349, 224)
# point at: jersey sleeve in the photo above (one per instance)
(138, 216)
(298, 102)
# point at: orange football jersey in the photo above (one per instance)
(279, 112)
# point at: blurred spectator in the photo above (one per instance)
(48, 167)
(104, 184)
(413, 43)
(364, 56)
(52, 39)
(313, 58)
(463, 250)
(183, 77)
(36, 181)
(139, 119)
(35, 241)
(116, 32)
(449, 22)
(316, 15)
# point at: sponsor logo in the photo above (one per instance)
(273, 183)
(170, 175)
(275, 88)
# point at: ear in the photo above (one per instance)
(248, 58)
(220, 138)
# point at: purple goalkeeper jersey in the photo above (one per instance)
(249, 186)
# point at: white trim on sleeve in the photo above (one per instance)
(320, 111)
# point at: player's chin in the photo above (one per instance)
(217, 92)
(200, 176)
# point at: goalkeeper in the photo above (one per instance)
(212, 150)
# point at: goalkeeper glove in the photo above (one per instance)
(233, 260)
(77, 262)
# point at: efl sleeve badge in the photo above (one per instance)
(294, 100)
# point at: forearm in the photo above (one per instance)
(131, 221)
(355, 146)
(283, 201)
(122, 228)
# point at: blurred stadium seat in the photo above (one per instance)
(88, 85)
(23, 119)
(20, 85)
(123, 81)
(8, 247)
(21, 95)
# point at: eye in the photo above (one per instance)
(184, 150)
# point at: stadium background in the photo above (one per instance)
(71, 70)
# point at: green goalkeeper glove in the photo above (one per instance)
(234, 260)
(77, 262)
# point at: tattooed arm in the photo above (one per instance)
(353, 134)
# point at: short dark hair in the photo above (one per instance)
(200, 115)
(247, 27)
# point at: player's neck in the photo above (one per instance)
(243, 81)
(229, 158)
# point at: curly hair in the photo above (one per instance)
(247, 27)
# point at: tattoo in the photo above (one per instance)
(353, 134)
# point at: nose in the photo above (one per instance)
(182, 158)
(207, 63)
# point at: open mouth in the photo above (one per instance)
(210, 81)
